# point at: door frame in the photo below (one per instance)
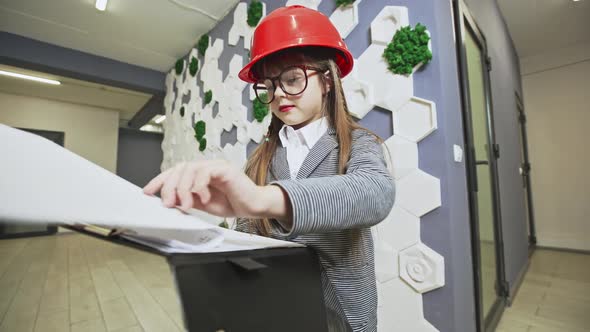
(466, 24)
(526, 168)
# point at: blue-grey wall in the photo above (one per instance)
(446, 229)
(139, 155)
(505, 84)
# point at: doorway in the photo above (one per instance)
(482, 154)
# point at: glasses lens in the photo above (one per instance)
(293, 80)
(263, 92)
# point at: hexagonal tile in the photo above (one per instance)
(387, 22)
(422, 268)
(399, 306)
(235, 154)
(399, 229)
(418, 193)
(415, 120)
(242, 133)
(390, 91)
(386, 264)
(240, 27)
(257, 130)
(345, 18)
(404, 156)
(313, 4)
(235, 65)
(359, 96)
(224, 121)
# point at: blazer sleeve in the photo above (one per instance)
(360, 198)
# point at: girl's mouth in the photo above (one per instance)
(285, 108)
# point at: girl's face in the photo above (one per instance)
(300, 109)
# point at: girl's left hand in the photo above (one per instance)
(216, 187)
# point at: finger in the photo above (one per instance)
(183, 189)
(169, 188)
(203, 180)
(156, 183)
(200, 185)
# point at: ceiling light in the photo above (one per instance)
(29, 77)
(151, 128)
(101, 5)
(160, 119)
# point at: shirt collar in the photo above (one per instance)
(308, 135)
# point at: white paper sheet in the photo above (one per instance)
(41, 182)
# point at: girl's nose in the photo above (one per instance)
(278, 91)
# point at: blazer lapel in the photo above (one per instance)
(280, 166)
(318, 153)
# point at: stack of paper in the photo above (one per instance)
(41, 182)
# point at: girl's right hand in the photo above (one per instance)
(216, 187)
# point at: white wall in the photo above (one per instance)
(557, 102)
(90, 132)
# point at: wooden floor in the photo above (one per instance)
(76, 283)
(554, 296)
(71, 282)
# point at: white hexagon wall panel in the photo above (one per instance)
(346, 18)
(240, 28)
(400, 229)
(418, 193)
(387, 22)
(398, 306)
(401, 156)
(390, 91)
(359, 95)
(405, 268)
(421, 268)
(386, 265)
(416, 119)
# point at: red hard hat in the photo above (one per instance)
(295, 26)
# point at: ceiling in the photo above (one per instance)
(126, 102)
(151, 34)
(536, 25)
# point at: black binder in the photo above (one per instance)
(275, 289)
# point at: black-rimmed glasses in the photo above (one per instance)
(292, 80)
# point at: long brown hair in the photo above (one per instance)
(334, 108)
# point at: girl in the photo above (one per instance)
(319, 179)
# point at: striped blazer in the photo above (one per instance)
(333, 214)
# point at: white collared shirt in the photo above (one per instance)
(299, 142)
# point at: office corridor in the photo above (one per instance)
(554, 296)
(70, 282)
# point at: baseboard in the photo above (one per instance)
(565, 242)
(577, 251)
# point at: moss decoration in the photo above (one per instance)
(193, 66)
(254, 13)
(260, 109)
(208, 97)
(179, 66)
(200, 129)
(202, 144)
(203, 44)
(408, 48)
(182, 111)
(342, 3)
(200, 134)
(224, 224)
